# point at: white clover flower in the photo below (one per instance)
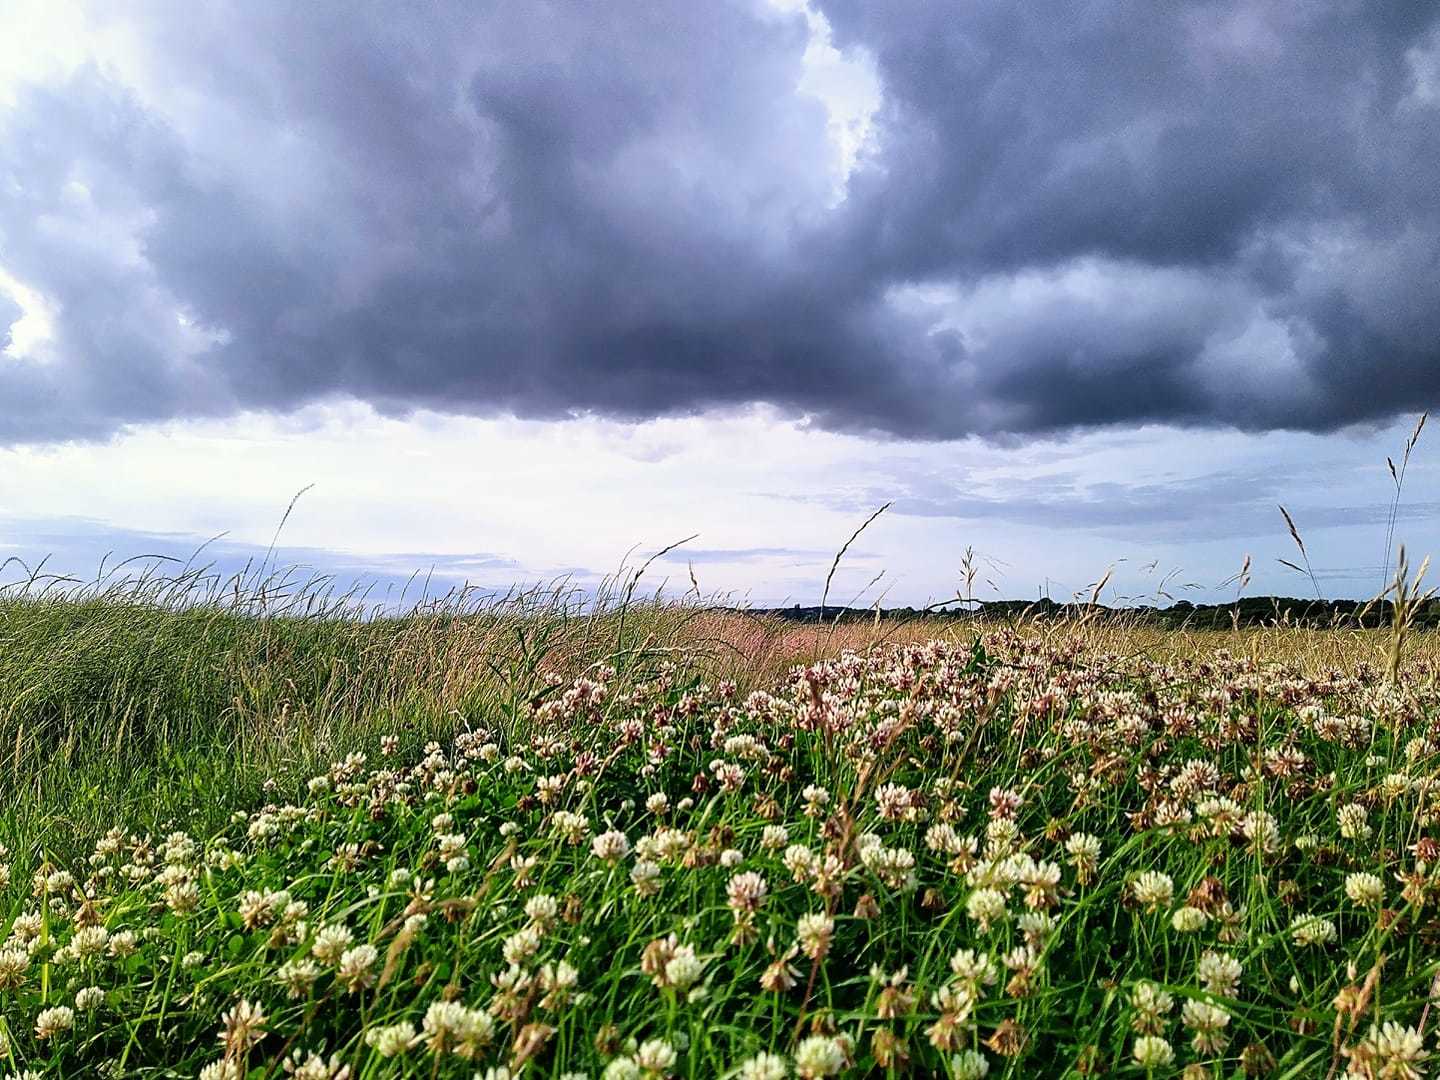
(773, 838)
(942, 838)
(392, 1040)
(1152, 1008)
(1188, 920)
(974, 968)
(542, 910)
(813, 933)
(89, 941)
(1152, 1052)
(59, 881)
(610, 846)
(521, 945)
(14, 964)
(1395, 784)
(1208, 1022)
(1153, 889)
(1083, 850)
(892, 801)
(986, 907)
(356, 967)
(1021, 958)
(53, 1021)
(817, 1056)
(1353, 822)
(451, 1027)
(242, 1026)
(763, 1066)
(557, 980)
(1037, 926)
(729, 775)
(969, 1065)
(1262, 830)
(298, 976)
(1001, 836)
(1310, 929)
(746, 891)
(1218, 973)
(622, 1068)
(182, 897)
(572, 828)
(310, 1065)
(816, 799)
(684, 968)
(1042, 881)
(800, 861)
(451, 845)
(1392, 1052)
(331, 943)
(655, 1055)
(645, 876)
(1367, 890)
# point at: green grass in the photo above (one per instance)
(134, 704)
(189, 777)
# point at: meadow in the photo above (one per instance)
(640, 839)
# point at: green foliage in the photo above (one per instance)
(143, 704)
(1015, 852)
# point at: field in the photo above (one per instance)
(647, 840)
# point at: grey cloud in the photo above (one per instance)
(1274, 162)
(1226, 504)
(1216, 213)
(792, 556)
(84, 550)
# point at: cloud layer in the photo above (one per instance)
(1217, 213)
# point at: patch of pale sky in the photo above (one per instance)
(1425, 72)
(44, 39)
(846, 83)
(36, 324)
(583, 493)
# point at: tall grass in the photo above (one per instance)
(164, 690)
(154, 698)
(152, 695)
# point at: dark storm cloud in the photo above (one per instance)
(1205, 213)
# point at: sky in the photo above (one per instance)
(516, 291)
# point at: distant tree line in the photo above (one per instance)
(1249, 611)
